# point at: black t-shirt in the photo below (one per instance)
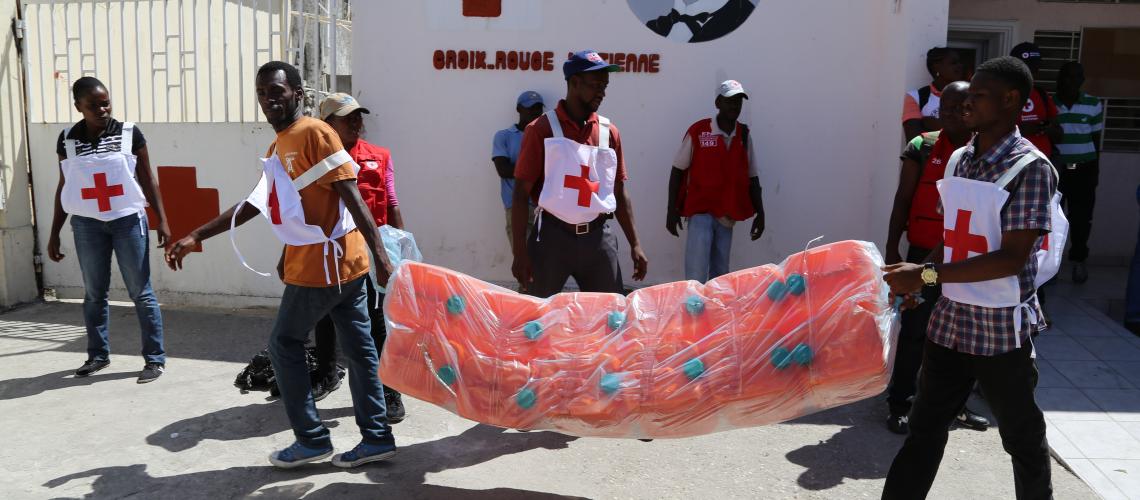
(105, 143)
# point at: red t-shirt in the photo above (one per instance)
(531, 164)
(1039, 108)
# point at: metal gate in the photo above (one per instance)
(178, 60)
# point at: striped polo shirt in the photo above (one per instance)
(1079, 123)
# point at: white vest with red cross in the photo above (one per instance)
(579, 183)
(972, 224)
(101, 186)
(278, 198)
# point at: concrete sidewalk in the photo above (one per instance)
(192, 434)
(1090, 383)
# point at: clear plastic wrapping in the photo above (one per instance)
(753, 347)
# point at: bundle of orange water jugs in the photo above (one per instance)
(750, 348)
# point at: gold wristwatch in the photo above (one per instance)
(929, 274)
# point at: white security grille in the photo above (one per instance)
(180, 60)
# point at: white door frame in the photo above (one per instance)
(1002, 34)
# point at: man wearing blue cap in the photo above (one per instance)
(571, 165)
(505, 151)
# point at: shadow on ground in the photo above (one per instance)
(863, 449)
(30, 386)
(403, 476)
(232, 424)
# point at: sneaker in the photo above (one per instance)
(971, 420)
(91, 366)
(1080, 273)
(364, 453)
(395, 406)
(297, 455)
(151, 372)
(322, 389)
(898, 424)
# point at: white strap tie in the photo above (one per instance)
(233, 240)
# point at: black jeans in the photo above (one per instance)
(557, 253)
(325, 334)
(1007, 381)
(1078, 196)
(912, 336)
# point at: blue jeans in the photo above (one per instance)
(1132, 304)
(301, 308)
(128, 238)
(706, 248)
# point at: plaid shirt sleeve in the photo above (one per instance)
(1030, 195)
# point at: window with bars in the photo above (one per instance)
(1121, 114)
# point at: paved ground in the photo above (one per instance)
(193, 435)
(1090, 384)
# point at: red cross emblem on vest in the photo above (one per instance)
(962, 241)
(583, 184)
(102, 192)
(274, 206)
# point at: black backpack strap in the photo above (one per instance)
(923, 97)
(744, 136)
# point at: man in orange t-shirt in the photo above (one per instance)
(305, 145)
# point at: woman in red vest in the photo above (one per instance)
(917, 211)
(378, 189)
(715, 184)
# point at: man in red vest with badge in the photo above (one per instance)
(715, 184)
(917, 211)
(571, 165)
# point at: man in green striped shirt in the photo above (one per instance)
(1081, 117)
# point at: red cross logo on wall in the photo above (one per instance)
(102, 192)
(962, 241)
(482, 8)
(196, 205)
(583, 184)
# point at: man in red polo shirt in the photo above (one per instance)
(571, 166)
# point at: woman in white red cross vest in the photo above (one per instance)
(106, 185)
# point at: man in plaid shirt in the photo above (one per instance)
(967, 341)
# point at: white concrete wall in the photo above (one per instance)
(825, 112)
(1116, 217)
(17, 272)
(226, 159)
(825, 128)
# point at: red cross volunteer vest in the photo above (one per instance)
(579, 183)
(101, 186)
(278, 198)
(716, 181)
(972, 227)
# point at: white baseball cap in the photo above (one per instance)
(729, 88)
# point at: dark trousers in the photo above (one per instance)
(912, 336)
(1078, 196)
(557, 253)
(1007, 381)
(325, 334)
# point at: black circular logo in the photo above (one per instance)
(692, 21)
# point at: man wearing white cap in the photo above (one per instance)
(715, 184)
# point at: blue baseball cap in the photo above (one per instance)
(530, 98)
(587, 60)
